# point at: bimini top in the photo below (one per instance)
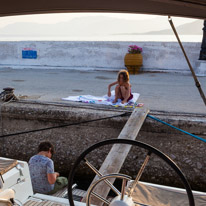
(182, 8)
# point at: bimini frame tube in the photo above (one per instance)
(188, 61)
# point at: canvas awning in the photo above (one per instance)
(183, 8)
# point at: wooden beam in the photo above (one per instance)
(118, 153)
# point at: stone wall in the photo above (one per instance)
(69, 142)
(157, 56)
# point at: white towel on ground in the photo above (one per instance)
(105, 100)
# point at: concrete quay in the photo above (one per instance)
(171, 92)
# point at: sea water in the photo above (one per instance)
(115, 37)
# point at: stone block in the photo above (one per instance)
(200, 68)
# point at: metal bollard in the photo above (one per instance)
(8, 95)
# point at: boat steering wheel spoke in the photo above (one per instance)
(124, 184)
(139, 174)
(115, 190)
(100, 198)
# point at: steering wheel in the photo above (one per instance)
(122, 198)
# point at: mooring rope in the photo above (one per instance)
(199, 138)
(65, 125)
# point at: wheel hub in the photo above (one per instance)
(127, 201)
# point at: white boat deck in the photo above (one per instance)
(48, 200)
(42, 203)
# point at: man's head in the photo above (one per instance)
(46, 147)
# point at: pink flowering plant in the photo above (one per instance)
(134, 49)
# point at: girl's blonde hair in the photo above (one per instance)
(125, 75)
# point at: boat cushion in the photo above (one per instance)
(5, 202)
(6, 196)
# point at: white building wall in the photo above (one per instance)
(166, 56)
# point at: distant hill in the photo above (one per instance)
(194, 28)
(99, 25)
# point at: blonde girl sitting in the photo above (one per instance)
(123, 88)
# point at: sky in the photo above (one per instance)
(56, 18)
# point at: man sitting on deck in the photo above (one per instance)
(44, 179)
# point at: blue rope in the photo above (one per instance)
(199, 138)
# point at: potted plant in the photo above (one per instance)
(133, 59)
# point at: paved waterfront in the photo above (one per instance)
(158, 91)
